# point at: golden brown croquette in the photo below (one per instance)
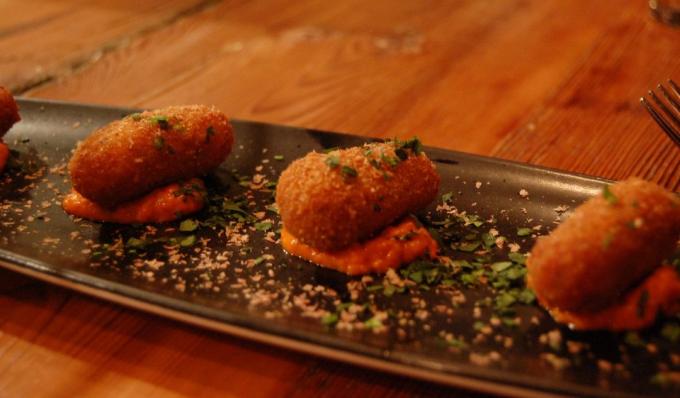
(607, 245)
(130, 157)
(329, 201)
(9, 111)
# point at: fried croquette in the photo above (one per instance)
(329, 201)
(9, 111)
(607, 245)
(130, 157)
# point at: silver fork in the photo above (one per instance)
(670, 124)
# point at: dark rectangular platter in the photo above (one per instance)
(256, 291)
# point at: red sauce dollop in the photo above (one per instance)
(164, 204)
(396, 245)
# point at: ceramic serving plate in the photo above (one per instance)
(470, 323)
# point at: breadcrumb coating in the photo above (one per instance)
(130, 157)
(606, 246)
(329, 201)
(9, 111)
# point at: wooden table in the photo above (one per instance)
(552, 83)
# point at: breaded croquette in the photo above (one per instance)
(9, 111)
(607, 245)
(329, 201)
(130, 157)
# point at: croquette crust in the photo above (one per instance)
(9, 111)
(604, 248)
(132, 156)
(328, 209)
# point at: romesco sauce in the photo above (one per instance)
(394, 246)
(160, 205)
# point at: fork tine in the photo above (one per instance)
(670, 98)
(664, 108)
(674, 86)
(670, 132)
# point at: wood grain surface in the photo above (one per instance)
(552, 83)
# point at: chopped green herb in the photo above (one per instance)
(642, 303)
(510, 322)
(501, 266)
(158, 142)
(188, 225)
(278, 157)
(527, 296)
(373, 288)
(609, 196)
(348, 171)
(447, 197)
(407, 236)
(671, 332)
(523, 231)
(259, 260)
(456, 343)
(488, 240)
(505, 300)
(209, 132)
(389, 290)
(388, 160)
(518, 258)
(135, 243)
(633, 339)
(188, 241)
(263, 226)
(162, 121)
(332, 161)
(660, 379)
(329, 319)
(373, 323)
(468, 247)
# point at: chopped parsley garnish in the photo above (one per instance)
(135, 243)
(329, 319)
(332, 161)
(519, 258)
(468, 247)
(158, 142)
(348, 171)
(188, 241)
(671, 332)
(642, 303)
(278, 157)
(162, 121)
(263, 226)
(373, 323)
(188, 225)
(609, 196)
(523, 231)
(403, 148)
(447, 197)
(209, 132)
(633, 339)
